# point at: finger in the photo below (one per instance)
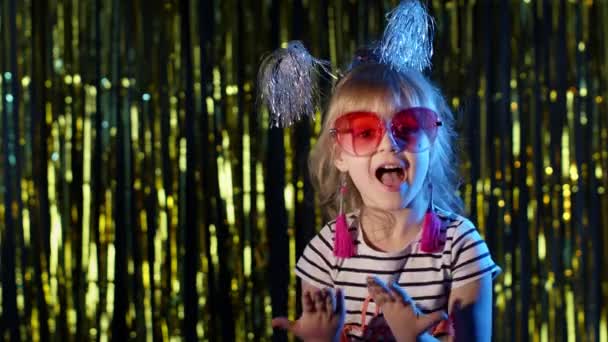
(396, 294)
(330, 301)
(434, 317)
(373, 289)
(374, 296)
(417, 311)
(378, 290)
(340, 305)
(379, 297)
(319, 301)
(313, 306)
(282, 323)
(382, 284)
(399, 292)
(370, 282)
(307, 303)
(386, 297)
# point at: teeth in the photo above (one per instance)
(391, 166)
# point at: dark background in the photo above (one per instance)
(143, 197)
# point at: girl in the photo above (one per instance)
(399, 255)
(386, 150)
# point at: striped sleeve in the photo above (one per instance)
(471, 258)
(315, 266)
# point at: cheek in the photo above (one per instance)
(419, 167)
(418, 142)
(360, 172)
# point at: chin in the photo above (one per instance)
(389, 205)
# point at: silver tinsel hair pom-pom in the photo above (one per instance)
(288, 84)
(408, 37)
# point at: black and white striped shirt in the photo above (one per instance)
(426, 277)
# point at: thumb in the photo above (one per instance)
(429, 320)
(282, 323)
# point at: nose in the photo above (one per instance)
(388, 143)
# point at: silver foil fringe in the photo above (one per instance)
(288, 82)
(407, 41)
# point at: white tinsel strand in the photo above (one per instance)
(288, 84)
(408, 37)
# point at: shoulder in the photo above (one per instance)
(457, 227)
(324, 239)
(469, 255)
(317, 264)
(326, 233)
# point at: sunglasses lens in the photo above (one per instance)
(359, 133)
(409, 127)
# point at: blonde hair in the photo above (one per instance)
(378, 88)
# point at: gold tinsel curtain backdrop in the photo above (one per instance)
(143, 197)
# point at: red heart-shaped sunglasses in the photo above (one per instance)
(359, 133)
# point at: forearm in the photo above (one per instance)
(472, 310)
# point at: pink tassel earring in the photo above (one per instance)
(431, 227)
(344, 246)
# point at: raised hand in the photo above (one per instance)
(322, 316)
(403, 317)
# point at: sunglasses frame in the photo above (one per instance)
(386, 126)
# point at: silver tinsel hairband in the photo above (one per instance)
(288, 78)
(287, 82)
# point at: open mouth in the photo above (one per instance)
(390, 175)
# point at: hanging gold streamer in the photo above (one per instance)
(135, 200)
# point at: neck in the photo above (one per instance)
(395, 230)
(408, 219)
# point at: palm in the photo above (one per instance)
(315, 326)
(406, 321)
(395, 313)
(322, 317)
